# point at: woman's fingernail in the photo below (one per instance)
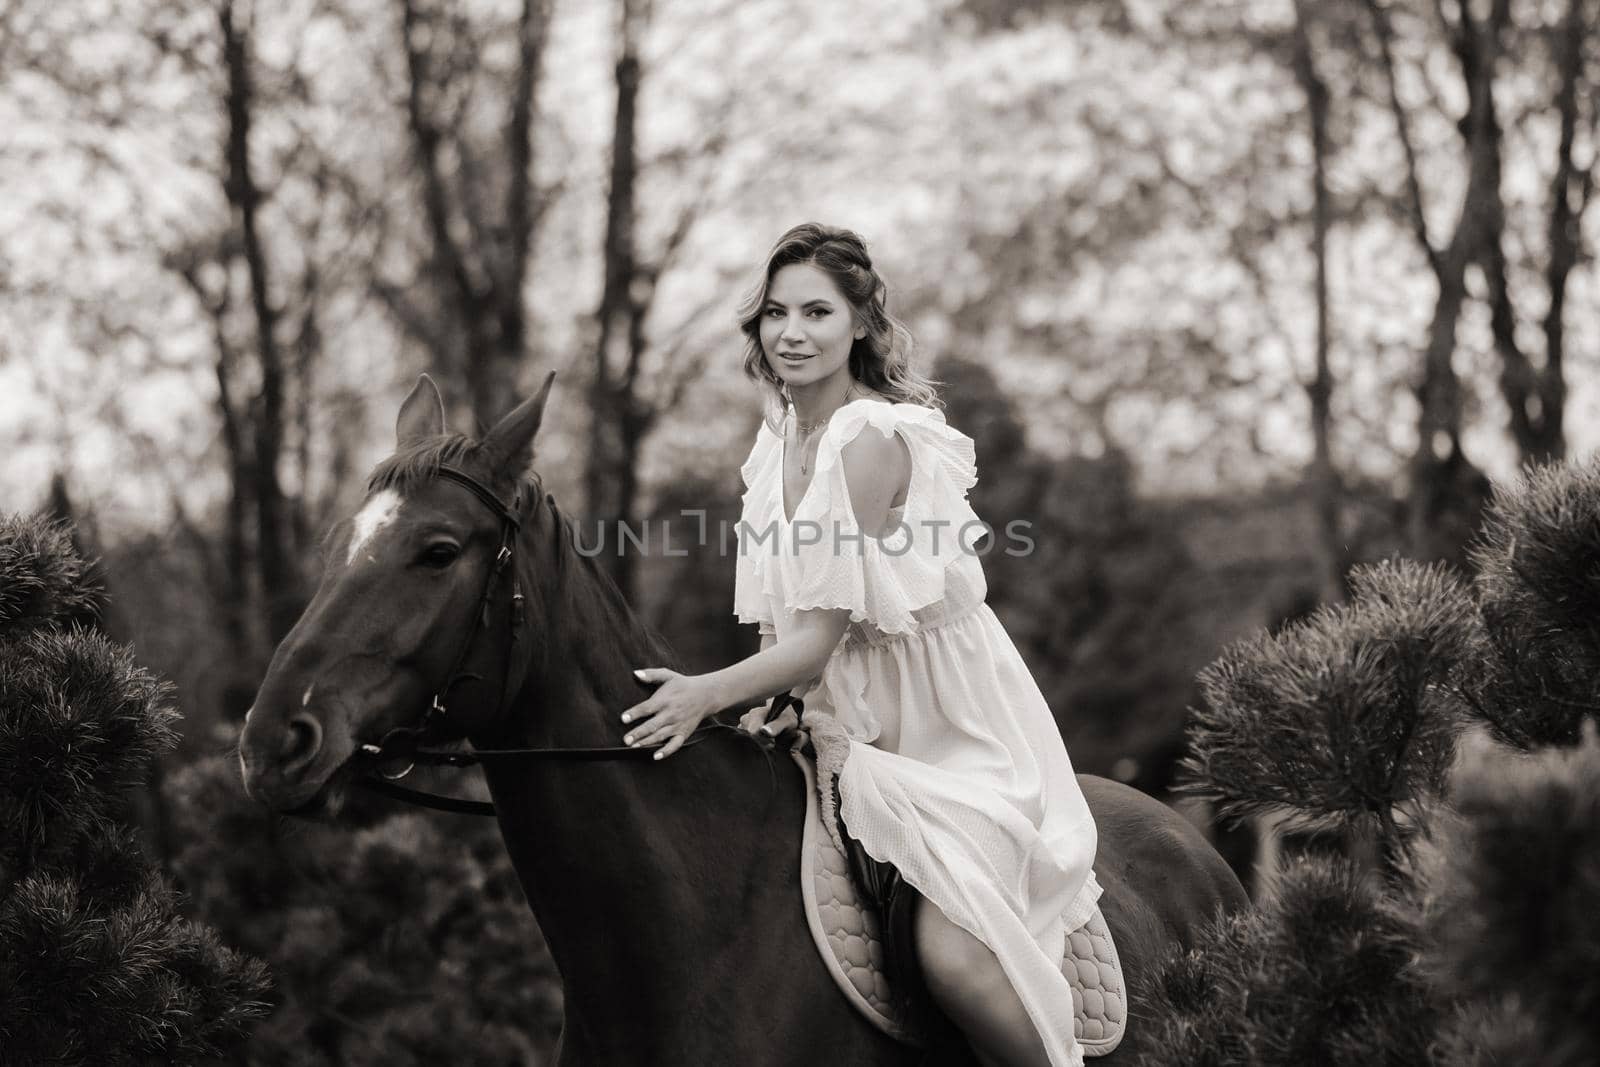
(627, 718)
(658, 755)
(628, 739)
(638, 673)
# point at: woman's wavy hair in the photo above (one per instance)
(880, 360)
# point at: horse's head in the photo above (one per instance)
(407, 582)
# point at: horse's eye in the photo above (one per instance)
(440, 554)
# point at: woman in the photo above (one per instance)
(855, 560)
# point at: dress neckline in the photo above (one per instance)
(783, 448)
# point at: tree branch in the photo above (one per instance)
(426, 140)
(1418, 216)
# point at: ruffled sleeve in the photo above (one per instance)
(828, 563)
(751, 603)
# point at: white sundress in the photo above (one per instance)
(956, 773)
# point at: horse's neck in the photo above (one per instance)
(587, 643)
(629, 864)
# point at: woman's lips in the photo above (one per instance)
(792, 358)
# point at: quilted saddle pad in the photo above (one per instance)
(848, 934)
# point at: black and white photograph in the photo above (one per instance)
(799, 533)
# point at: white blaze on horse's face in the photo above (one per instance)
(378, 512)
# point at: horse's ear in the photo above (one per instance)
(422, 414)
(510, 443)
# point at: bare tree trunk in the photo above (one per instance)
(1447, 491)
(617, 423)
(307, 347)
(479, 280)
(1537, 397)
(461, 286)
(1431, 532)
(231, 586)
(237, 591)
(279, 582)
(1324, 477)
(493, 380)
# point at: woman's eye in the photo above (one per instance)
(819, 312)
(440, 555)
(774, 313)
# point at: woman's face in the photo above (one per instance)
(807, 326)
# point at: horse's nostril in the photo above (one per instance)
(301, 741)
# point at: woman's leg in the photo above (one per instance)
(966, 981)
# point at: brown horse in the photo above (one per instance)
(668, 891)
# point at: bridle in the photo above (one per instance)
(408, 742)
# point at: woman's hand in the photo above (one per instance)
(670, 714)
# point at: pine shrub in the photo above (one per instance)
(1479, 945)
(97, 966)
(1538, 587)
(43, 579)
(1322, 972)
(1343, 717)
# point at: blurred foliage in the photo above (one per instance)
(97, 966)
(404, 940)
(1509, 883)
(1107, 202)
(1090, 584)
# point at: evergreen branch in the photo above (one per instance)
(1342, 716)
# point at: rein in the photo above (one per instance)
(406, 742)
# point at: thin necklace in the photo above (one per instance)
(804, 428)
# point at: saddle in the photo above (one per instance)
(860, 911)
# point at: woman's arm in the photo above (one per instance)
(782, 666)
(767, 641)
(877, 469)
(671, 713)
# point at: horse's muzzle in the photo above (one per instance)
(287, 764)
